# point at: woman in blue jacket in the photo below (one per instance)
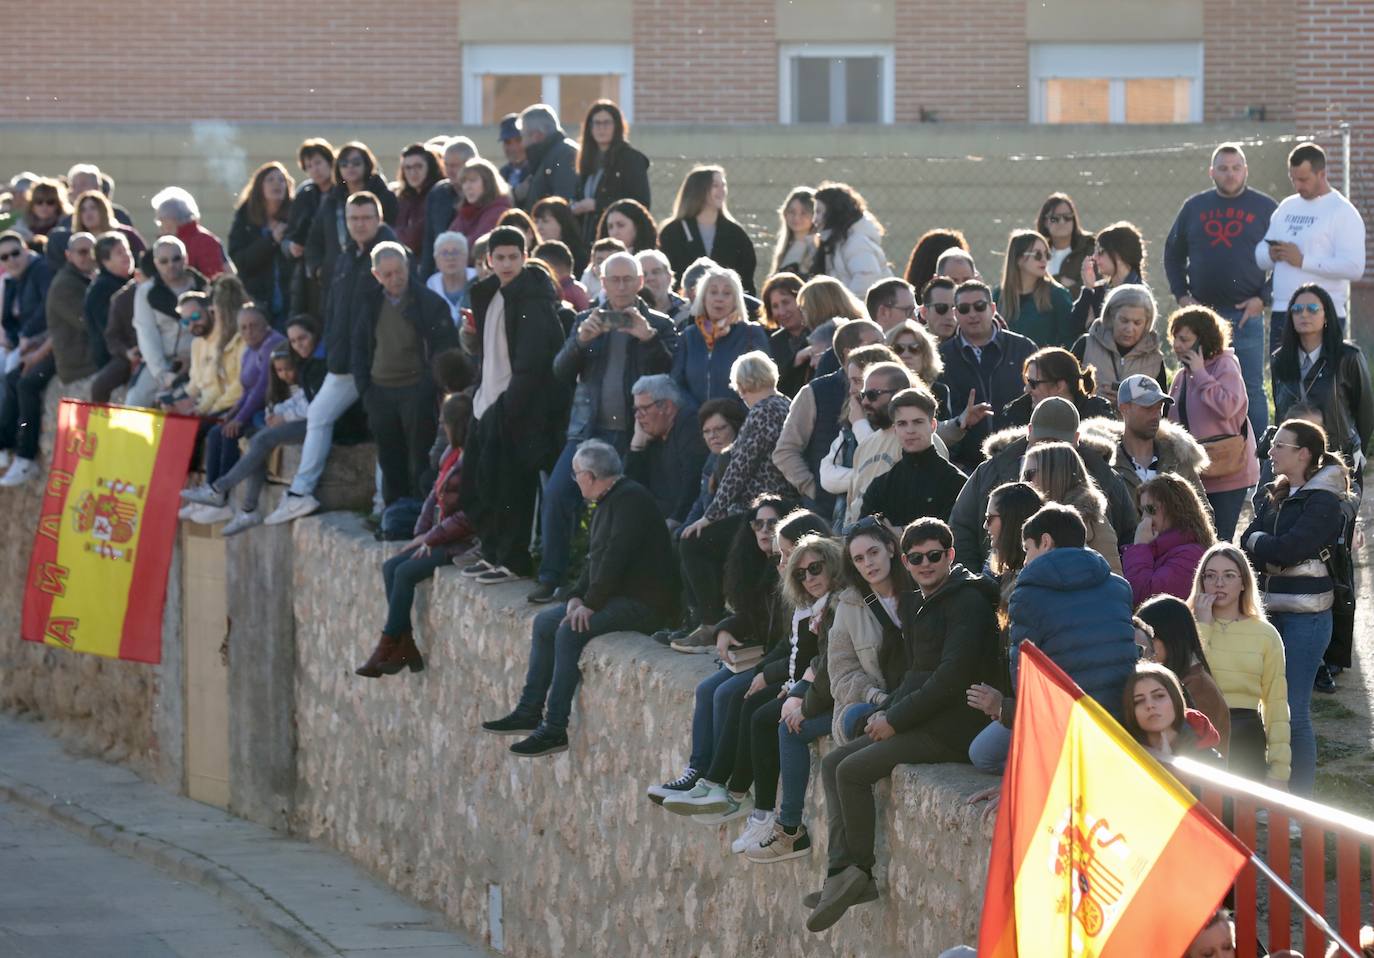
(720, 332)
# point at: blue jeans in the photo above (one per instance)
(794, 756)
(336, 395)
(1226, 511)
(854, 718)
(989, 748)
(401, 574)
(1248, 342)
(560, 506)
(1305, 638)
(708, 715)
(555, 649)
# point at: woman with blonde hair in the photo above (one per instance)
(796, 248)
(485, 198)
(1175, 527)
(920, 353)
(1030, 299)
(702, 226)
(1057, 470)
(720, 333)
(1247, 660)
(825, 298)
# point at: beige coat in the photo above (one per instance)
(855, 676)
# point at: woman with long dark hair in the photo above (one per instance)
(257, 238)
(1118, 258)
(796, 249)
(1301, 517)
(608, 168)
(1070, 244)
(1054, 371)
(355, 170)
(1030, 299)
(630, 222)
(1157, 716)
(1175, 529)
(920, 266)
(851, 238)
(702, 226)
(1175, 644)
(554, 219)
(418, 172)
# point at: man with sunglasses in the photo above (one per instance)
(937, 308)
(890, 301)
(950, 630)
(983, 360)
(878, 449)
(162, 339)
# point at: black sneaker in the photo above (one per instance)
(1324, 682)
(516, 723)
(544, 741)
(683, 783)
(543, 592)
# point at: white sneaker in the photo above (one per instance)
(755, 831)
(683, 783)
(240, 522)
(188, 511)
(209, 515)
(5, 458)
(19, 472)
(204, 496)
(736, 806)
(291, 508)
(703, 798)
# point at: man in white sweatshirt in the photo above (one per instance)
(1315, 236)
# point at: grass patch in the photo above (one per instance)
(1330, 750)
(1329, 708)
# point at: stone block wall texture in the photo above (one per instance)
(395, 773)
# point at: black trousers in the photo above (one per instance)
(764, 756)
(703, 566)
(731, 760)
(403, 422)
(112, 375)
(499, 490)
(21, 407)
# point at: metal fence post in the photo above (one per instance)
(1345, 158)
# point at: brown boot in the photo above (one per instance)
(403, 654)
(372, 668)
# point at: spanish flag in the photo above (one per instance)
(1098, 850)
(98, 574)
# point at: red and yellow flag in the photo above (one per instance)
(1098, 850)
(98, 574)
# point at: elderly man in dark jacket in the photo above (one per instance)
(1054, 420)
(667, 452)
(516, 408)
(628, 585)
(550, 157)
(403, 326)
(950, 629)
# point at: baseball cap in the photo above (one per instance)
(1142, 390)
(509, 128)
(1054, 420)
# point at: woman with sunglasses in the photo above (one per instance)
(1296, 524)
(47, 206)
(867, 651)
(1173, 643)
(1030, 299)
(1057, 470)
(920, 353)
(1175, 529)
(1246, 656)
(1070, 244)
(1118, 258)
(758, 621)
(355, 170)
(1054, 371)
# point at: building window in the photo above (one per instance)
(1116, 82)
(501, 78)
(834, 84)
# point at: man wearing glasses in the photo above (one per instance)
(609, 349)
(668, 449)
(890, 301)
(68, 338)
(164, 342)
(982, 360)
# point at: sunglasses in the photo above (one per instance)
(1036, 383)
(352, 161)
(193, 318)
(981, 306)
(1311, 309)
(940, 308)
(43, 202)
(763, 525)
(867, 522)
(1038, 255)
(12, 254)
(872, 395)
(169, 260)
(921, 558)
(1059, 218)
(802, 572)
(987, 519)
(905, 349)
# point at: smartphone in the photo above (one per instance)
(615, 319)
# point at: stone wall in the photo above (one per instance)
(396, 774)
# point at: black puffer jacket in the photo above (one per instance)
(350, 285)
(1298, 528)
(328, 231)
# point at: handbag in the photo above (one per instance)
(1226, 452)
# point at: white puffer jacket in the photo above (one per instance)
(858, 260)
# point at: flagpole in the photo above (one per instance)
(1307, 909)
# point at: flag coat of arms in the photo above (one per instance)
(1098, 850)
(98, 573)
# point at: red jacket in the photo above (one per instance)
(204, 252)
(442, 521)
(474, 222)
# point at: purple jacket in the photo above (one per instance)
(1217, 406)
(1165, 566)
(253, 375)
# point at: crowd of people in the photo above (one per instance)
(858, 488)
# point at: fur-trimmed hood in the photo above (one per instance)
(1099, 443)
(1175, 443)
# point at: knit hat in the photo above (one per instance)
(1054, 420)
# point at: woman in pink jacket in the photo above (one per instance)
(1211, 403)
(1174, 531)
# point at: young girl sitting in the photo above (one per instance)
(1157, 717)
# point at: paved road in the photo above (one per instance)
(64, 897)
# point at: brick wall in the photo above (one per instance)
(285, 60)
(964, 63)
(709, 61)
(1250, 63)
(1334, 58)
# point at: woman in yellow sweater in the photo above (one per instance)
(1246, 655)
